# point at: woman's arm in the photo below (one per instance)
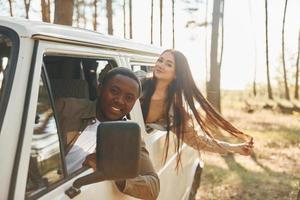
(200, 141)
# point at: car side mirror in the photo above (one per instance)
(117, 154)
(118, 149)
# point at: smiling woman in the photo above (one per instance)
(170, 99)
(166, 74)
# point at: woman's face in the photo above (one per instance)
(165, 67)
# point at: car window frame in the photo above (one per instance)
(10, 70)
(46, 80)
(139, 62)
(37, 194)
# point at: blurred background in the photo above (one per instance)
(244, 55)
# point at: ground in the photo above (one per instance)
(271, 173)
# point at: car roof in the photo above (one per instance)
(67, 34)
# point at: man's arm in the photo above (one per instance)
(146, 185)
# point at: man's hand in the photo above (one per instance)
(90, 161)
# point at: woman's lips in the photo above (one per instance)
(159, 71)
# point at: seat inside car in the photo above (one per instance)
(67, 77)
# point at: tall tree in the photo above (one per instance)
(77, 8)
(80, 13)
(124, 18)
(151, 22)
(109, 15)
(10, 8)
(160, 21)
(130, 19)
(95, 15)
(83, 16)
(297, 73)
(62, 15)
(45, 5)
(254, 48)
(213, 86)
(27, 6)
(222, 33)
(205, 45)
(173, 25)
(287, 93)
(270, 95)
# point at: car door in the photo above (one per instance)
(57, 71)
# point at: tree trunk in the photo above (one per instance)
(80, 12)
(10, 8)
(130, 19)
(222, 33)
(95, 15)
(254, 48)
(287, 93)
(173, 25)
(152, 21)
(27, 6)
(160, 21)
(124, 17)
(45, 4)
(109, 16)
(77, 8)
(270, 95)
(62, 15)
(205, 46)
(297, 72)
(84, 14)
(213, 87)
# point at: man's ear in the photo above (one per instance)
(99, 90)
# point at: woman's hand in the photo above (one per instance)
(90, 161)
(244, 149)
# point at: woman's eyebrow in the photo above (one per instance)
(170, 61)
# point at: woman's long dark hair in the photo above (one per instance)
(184, 90)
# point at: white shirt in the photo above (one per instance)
(84, 145)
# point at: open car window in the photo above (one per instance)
(63, 79)
(145, 70)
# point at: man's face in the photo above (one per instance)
(116, 98)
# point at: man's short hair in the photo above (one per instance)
(121, 71)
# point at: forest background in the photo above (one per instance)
(244, 55)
